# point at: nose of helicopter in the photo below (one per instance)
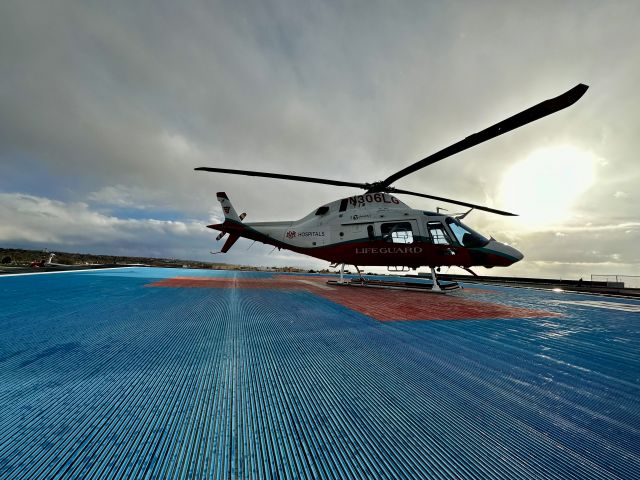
(505, 251)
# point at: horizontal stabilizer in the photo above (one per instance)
(229, 243)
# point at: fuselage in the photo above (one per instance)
(377, 229)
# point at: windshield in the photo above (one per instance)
(466, 236)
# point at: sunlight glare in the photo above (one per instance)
(543, 187)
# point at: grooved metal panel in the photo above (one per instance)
(103, 376)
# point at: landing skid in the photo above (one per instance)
(407, 286)
(434, 287)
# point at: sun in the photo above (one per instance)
(543, 188)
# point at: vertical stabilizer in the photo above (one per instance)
(227, 209)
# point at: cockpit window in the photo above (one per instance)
(437, 233)
(465, 235)
(397, 232)
(322, 210)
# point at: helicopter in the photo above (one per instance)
(377, 229)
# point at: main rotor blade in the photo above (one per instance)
(457, 202)
(529, 115)
(296, 178)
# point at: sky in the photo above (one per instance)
(106, 108)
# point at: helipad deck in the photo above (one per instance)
(132, 373)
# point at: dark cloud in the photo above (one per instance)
(113, 104)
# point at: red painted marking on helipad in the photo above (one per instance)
(379, 304)
(391, 305)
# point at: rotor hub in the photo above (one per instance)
(377, 187)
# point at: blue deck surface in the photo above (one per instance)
(104, 377)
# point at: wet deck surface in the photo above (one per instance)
(135, 373)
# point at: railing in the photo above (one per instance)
(620, 281)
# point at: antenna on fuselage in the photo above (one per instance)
(462, 215)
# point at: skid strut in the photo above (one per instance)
(436, 285)
(362, 279)
(341, 274)
(394, 285)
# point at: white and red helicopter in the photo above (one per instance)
(377, 229)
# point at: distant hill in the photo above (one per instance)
(16, 257)
(20, 257)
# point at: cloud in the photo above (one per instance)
(112, 105)
(28, 221)
(132, 198)
(581, 251)
(117, 195)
